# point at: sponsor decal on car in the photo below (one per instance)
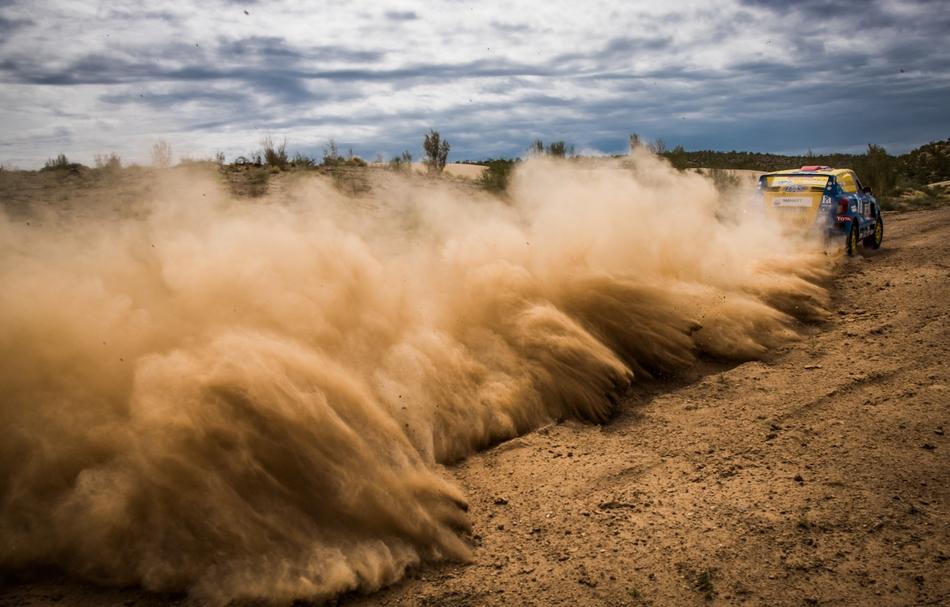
(842, 218)
(791, 201)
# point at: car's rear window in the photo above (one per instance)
(799, 182)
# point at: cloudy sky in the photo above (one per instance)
(209, 75)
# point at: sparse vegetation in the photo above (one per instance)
(61, 163)
(108, 162)
(302, 161)
(161, 154)
(913, 180)
(275, 155)
(331, 155)
(403, 162)
(496, 175)
(436, 150)
(556, 149)
(634, 142)
(723, 179)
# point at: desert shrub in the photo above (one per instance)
(496, 175)
(108, 162)
(57, 163)
(436, 151)
(403, 162)
(723, 179)
(331, 155)
(161, 154)
(61, 163)
(557, 149)
(275, 155)
(677, 157)
(634, 142)
(302, 161)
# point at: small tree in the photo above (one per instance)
(437, 151)
(878, 169)
(161, 154)
(537, 147)
(658, 147)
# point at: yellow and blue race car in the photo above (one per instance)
(830, 200)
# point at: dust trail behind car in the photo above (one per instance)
(254, 399)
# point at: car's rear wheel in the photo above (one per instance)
(874, 239)
(851, 246)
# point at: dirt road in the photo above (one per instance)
(819, 476)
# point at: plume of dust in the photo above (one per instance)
(253, 399)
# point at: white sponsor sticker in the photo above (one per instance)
(791, 201)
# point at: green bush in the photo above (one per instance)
(497, 174)
(61, 163)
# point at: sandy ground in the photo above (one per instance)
(819, 476)
(468, 171)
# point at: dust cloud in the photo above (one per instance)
(254, 398)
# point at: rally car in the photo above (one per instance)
(829, 200)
